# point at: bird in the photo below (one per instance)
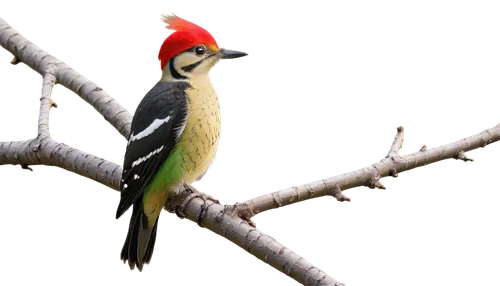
(174, 133)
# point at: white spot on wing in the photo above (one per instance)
(125, 186)
(149, 130)
(136, 177)
(181, 128)
(142, 159)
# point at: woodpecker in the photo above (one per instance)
(174, 133)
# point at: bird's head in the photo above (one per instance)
(190, 49)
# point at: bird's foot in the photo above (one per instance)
(179, 210)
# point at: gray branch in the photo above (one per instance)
(46, 103)
(397, 144)
(42, 150)
(225, 222)
(26, 52)
(369, 176)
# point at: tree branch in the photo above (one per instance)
(48, 152)
(46, 103)
(397, 144)
(37, 59)
(225, 222)
(43, 149)
(369, 176)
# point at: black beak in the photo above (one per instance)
(229, 54)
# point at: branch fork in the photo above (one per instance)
(243, 211)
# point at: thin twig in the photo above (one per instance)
(397, 144)
(46, 103)
(26, 52)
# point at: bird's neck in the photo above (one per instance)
(197, 81)
(166, 76)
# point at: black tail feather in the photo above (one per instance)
(139, 244)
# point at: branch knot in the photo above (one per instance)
(374, 182)
(423, 147)
(460, 155)
(393, 172)
(336, 192)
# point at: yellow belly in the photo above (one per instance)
(199, 141)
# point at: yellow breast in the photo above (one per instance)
(199, 141)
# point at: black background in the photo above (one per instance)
(321, 92)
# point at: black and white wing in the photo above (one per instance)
(159, 118)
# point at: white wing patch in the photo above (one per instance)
(150, 129)
(143, 159)
(180, 130)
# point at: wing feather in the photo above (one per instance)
(154, 133)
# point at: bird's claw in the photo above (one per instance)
(179, 210)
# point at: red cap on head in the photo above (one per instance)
(186, 36)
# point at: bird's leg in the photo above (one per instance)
(179, 210)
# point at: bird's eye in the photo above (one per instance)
(200, 50)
